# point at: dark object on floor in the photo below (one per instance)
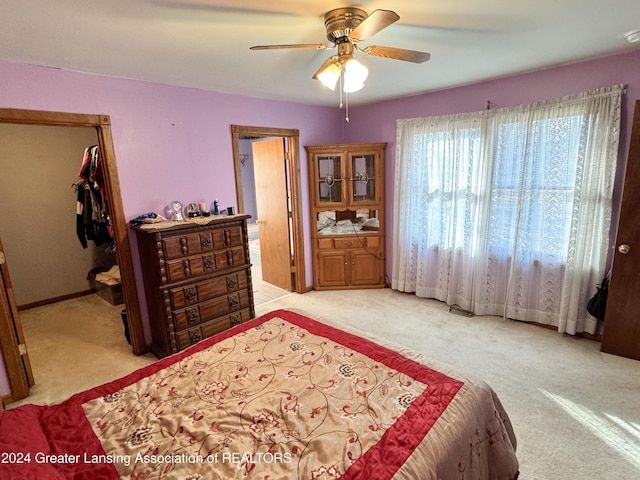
(123, 314)
(597, 305)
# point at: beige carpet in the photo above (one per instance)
(575, 410)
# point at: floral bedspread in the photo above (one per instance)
(280, 397)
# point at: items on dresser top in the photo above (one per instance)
(197, 278)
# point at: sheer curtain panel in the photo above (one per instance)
(507, 212)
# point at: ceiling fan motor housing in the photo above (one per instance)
(341, 21)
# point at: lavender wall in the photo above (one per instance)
(175, 143)
(377, 122)
(171, 143)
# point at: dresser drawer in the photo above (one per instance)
(188, 244)
(227, 237)
(193, 243)
(198, 265)
(208, 289)
(210, 309)
(193, 335)
(231, 257)
(183, 268)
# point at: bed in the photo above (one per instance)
(282, 396)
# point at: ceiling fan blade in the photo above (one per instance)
(397, 53)
(317, 46)
(378, 20)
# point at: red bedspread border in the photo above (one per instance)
(383, 460)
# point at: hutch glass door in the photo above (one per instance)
(329, 179)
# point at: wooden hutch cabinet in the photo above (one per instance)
(197, 279)
(346, 184)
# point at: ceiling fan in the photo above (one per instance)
(346, 28)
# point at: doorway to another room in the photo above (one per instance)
(268, 185)
(32, 227)
(263, 292)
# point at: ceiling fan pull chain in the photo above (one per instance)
(346, 116)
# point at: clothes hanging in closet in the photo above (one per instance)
(92, 218)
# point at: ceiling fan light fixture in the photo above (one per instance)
(350, 87)
(330, 75)
(355, 74)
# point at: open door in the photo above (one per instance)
(621, 334)
(270, 169)
(291, 137)
(11, 336)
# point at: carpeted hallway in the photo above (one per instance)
(574, 409)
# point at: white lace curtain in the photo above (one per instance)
(507, 212)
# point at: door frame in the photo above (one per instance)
(293, 141)
(102, 124)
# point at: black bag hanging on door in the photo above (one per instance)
(597, 305)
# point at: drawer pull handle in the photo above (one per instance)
(236, 320)
(186, 267)
(205, 242)
(232, 283)
(192, 295)
(234, 302)
(194, 337)
(209, 263)
(193, 316)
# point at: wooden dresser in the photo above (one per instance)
(197, 279)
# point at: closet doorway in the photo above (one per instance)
(11, 342)
(288, 189)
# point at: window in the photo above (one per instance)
(508, 211)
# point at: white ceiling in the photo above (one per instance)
(205, 43)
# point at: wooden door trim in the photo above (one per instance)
(102, 123)
(18, 375)
(293, 141)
